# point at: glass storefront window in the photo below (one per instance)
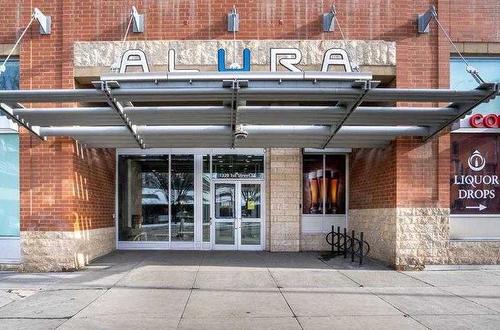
(10, 78)
(143, 192)
(157, 198)
(182, 192)
(324, 178)
(489, 68)
(146, 213)
(9, 160)
(237, 167)
(9, 185)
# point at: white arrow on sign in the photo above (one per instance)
(480, 207)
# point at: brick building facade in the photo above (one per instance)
(398, 195)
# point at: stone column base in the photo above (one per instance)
(53, 251)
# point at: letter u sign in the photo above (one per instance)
(221, 61)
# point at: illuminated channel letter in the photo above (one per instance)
(221, 61)
(288, 58)
(336, 56)
(171, 63)
(134, 58)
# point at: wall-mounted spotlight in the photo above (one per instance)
(329, 20)
(233, 20)
(44, 21)
(423, 20)
(45, 28)
(138, 21)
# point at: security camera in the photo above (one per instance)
(240, 133)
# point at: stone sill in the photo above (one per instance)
(479, 240)
(478, 48)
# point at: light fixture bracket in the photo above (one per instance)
(44, 21)
(233, 20)
(329, 20)
(423, 20)
(138, 21)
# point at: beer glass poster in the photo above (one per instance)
(474, 182)
(324, 184)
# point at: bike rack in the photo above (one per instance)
(343, 244)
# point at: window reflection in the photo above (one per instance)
(10, 78)
(225, 200)
(143, 195)
(250, 201)
(182, 189)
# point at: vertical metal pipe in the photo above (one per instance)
(338, 239)
(345, 243)
(353, 248)
(333, 241)
(361, 248)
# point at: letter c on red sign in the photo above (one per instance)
(490, 121)
(475, 120)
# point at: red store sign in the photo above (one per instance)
(484, 121)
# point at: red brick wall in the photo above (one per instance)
(94, 181)
(473, 20)
(372, 178)
(64, 186)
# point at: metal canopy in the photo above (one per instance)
(241, 109)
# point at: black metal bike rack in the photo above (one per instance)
(344, 245)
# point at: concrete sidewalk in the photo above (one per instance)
(247, 290)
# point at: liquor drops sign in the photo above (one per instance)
(474, 184)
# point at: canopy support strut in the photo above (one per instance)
(106, 88)
(9, 112)
(464, 108)
(366, 86)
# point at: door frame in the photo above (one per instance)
(237, 246)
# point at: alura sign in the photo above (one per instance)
(476, 186)
(280, 59)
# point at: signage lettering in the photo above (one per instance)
(235, 175)
(476, 186)
(134, 58)
(171, 63)
(288, 58)
(481, 121)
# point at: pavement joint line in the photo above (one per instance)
(417, 279)
(34, 318)
(469, 300)
(284, 298)
(340, 271)
(398, 309)
(103, 293)
(376, 295)
(191, 289)
(69, 318)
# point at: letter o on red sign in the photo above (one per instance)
(490, 121)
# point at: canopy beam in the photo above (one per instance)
(492, 90)
(365, 86)
(118, 108)
(9, 112)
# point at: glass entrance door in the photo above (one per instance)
(237, 215)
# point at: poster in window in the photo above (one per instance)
(323, 184)
(474, 181)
